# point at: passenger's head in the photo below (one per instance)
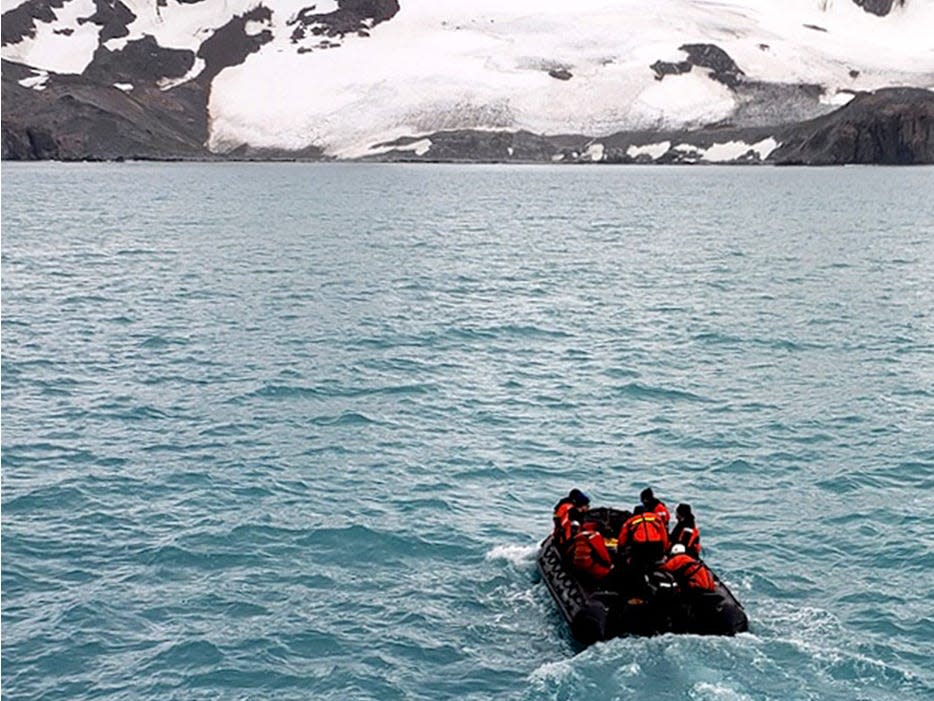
(579, 499)
(575, 527)
(647, 497)
(677, 549)
(683, 511)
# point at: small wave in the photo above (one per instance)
(640, 391)
(160, 342)
(558, 670)
(85, 299)
(348, 418)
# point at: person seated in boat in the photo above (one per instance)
(650, 503)
(686, 531)
(588, 553)
(691, 574)
(571, 508)
(643, 539)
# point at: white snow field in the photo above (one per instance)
(484, 64)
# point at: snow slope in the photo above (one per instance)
(546, 66)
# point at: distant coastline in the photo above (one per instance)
(893, 126)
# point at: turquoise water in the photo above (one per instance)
(294, 431)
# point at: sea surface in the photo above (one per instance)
(294, 431)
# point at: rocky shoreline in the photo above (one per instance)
(75, 121)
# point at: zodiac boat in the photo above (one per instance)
(648, 604)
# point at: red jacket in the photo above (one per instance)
(589, 554)
(663, 512)
(690, 573)
(564, 514)
(642, 528)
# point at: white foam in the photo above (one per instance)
(717, 692)
(515, 554)
(551, 671)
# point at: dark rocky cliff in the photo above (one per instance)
(894, 126)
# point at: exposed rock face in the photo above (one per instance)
(73, 119)
(724, 68)
(892, 127)
(140, 61)
(20, 22)
(351, 17)
(878, 7)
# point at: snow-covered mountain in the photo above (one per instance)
(411, 78)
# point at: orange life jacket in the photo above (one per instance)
(589, 554)
(564, 514)
(643, 529)
(662, 512)
(690, 573)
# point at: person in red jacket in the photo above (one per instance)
(643, 538)
(588, 552)
(654, 505)
(686, 531)
(690, 574)
(570, 508)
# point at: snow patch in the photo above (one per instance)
(36, 81)
(176, 25)
(7, 5)
(254, 27)
(765, 147)
(420, 148)
(594, 152)
(125, 87)
(732, 150)
(837, 98)
(653, 151)
(63, 45)
(691, 99)
(510, 150)
(193, 72)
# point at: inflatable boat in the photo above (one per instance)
(645, 604)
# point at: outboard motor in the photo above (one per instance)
(590, 623)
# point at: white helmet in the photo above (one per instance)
(677, 549)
